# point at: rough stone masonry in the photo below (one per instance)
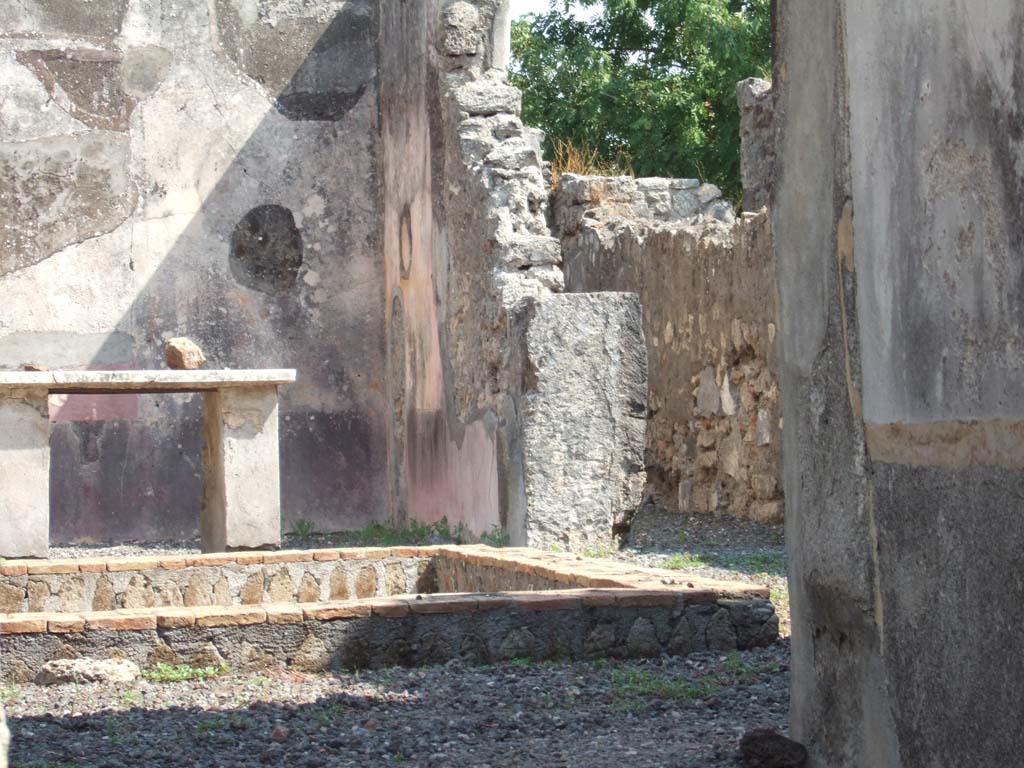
(343, 187)
(705, 279)
(899, 232)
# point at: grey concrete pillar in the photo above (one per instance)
(24, 473)
(241, 483)
(899, 233)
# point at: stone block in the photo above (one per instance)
(24, 473)
(581, 363)
(184, 354)
(488, 96)
(241, 483)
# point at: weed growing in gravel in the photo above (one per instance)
(763, 562)
(682, 561)
(629, 682)
(9, 693)
(171, 673)
(130, 698)
(330, 714)
(303, 529)
(599, 550)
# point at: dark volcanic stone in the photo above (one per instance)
(764, 748)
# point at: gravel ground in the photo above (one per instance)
(665, 713)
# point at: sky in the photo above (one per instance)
(519, 7)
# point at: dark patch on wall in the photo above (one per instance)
(398, 503)
(313, 70)
(124, 487)
(266, 249)
(405, 242)
(86, 82)
(330, 471)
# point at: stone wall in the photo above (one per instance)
(206, 169)
(384, 632)
(470, 263)
(244, 579)
(706, 285)
(899, 228)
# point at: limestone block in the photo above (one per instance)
(488, 96)
(24, 473)
(339, 584)
(525, 250)
(462, 29)
(582, 363)
(366, 582)
(241, 486)
(757, 150)
(515, 153)
(80, 671)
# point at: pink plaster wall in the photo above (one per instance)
(450, 469)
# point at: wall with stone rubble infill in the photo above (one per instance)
(194, 169)
(231, 579)
(706, 282)
(512, 603)
(491, 423)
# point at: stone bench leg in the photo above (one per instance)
(24, 473)
(241, 481)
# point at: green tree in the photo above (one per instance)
(650, 80)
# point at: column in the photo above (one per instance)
(24, 473)
(241, 482)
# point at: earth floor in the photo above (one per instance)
(668, 713)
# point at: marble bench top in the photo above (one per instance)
(80, 382)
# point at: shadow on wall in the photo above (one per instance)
(236, 202)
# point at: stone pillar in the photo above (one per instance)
(241, 481)
(581, 365)
(899, 232)
(24, 473)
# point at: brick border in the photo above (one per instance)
(587, 583)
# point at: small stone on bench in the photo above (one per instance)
(183, 354)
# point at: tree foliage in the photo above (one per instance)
(651, 81)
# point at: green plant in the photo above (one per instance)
(391, 535)
(651, 80)
(495, 537)
(599, 550)
(763, 562)
(176, 673)
(303, 529)
(9, 693)
(683, 561)
(630, 682)
(210, 725)
(130, 698)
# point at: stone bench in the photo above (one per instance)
(241, 506)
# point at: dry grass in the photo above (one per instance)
(570, 157)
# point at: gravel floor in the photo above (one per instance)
(665, 713)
